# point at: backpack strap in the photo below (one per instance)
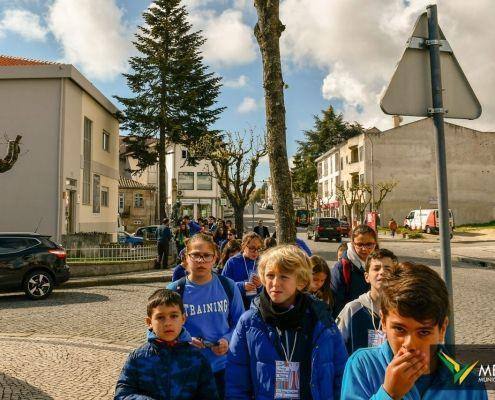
(179, 286)
(346, 273)
(228, 287)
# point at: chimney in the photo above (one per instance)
(397, 120)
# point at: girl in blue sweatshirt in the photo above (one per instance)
(211, 314)
(242, 267)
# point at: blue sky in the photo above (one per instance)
(339, 52)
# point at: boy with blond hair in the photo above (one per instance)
(286, 346)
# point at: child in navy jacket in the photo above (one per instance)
(167, 367)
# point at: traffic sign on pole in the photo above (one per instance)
(409, 91)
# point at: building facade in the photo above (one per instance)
(137, 204)
(66, 179)
(406, 155)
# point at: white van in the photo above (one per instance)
(426, 220)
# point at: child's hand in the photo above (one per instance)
(249, 286)
(403, 371)
(197, 343)
(222, 348)
(255, 279)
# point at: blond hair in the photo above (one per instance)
(289, 259)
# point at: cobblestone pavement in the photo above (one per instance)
(73, 344)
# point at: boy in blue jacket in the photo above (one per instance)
(286, 346)
(167, 367)
(414, 312)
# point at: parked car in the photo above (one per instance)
(302, 217)
(147, 232)
(31, 262)
(324, 228)
(426, 220)
(128, 239)
(345, 228)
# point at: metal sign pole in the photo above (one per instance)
(443, 203)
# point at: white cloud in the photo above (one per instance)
(23, 23)
(92, 34)
(241, 81)
(248, 104)
(230, 41)
(359, 45)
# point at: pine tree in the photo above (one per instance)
(174, 94)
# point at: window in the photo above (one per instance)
(184, 154)
(96, 194)
(186, 181)
(341, 163)
(138, 200)
(204, 181)
(325, 189)
(324, 163)
(361, 153)
(336, 160)
(104, 196)
(361, 178)
(319, 170)
(12, 245)
(86, 195)
(106, 141)
(121, 202)
(320, 189)
(354, 154)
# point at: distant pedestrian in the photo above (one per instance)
(163, 237)
(269, 242)
(167, 366)
(181, 234)
(180, 269)
(231, 235)
(321, 280)
(193, 226)
(262, 230)
(341, 250)
(231, 248)
(392, 225)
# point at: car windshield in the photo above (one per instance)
(328, 222)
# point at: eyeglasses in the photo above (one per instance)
(197, 257)
(369, 245)
(254, 249)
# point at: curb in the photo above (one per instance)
(485, 264)
(115, 280)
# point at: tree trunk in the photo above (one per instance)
(162, 174)
(13, 153)
(267, 31)
(239, 220)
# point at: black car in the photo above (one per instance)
(147, 232)
(325, 228)
(31, 262)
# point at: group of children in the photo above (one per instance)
(264, 328)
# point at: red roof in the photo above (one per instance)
(8, 61)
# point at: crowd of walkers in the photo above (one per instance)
(245, 318)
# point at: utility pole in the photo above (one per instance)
(437, 112)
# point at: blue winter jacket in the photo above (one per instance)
(157, 372)
(365, 373)
(250, 371)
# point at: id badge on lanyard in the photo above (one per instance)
(375, 338)
(287, 374)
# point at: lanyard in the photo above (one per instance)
(373, 316)
(287, 358)
(246, 268)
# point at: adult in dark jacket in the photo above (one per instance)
(348, 282)
(262, 230)
(163, 237)
(162, 372)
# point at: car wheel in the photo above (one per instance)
(428, 230)
(38, 285)
(316, 239)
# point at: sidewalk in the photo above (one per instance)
(481, 256)
(154, 276)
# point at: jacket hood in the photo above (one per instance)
(365, 300)
(353, 257)
(184, 336)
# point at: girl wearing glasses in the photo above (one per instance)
(211, 316)
(348, 281)
(242, 267)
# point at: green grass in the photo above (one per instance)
(475, 227)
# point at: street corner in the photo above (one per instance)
(474, 256)
(57, 367)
